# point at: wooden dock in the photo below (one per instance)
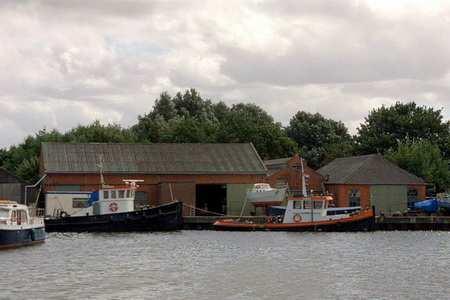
(388, 223)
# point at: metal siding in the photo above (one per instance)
(389, 198)
(236, 194)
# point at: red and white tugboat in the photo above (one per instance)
(307, 213)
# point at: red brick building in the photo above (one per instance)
(214, 177)
(371, 180)
(288, 172)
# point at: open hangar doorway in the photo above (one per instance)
(212, 198)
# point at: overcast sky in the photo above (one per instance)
(64, 63)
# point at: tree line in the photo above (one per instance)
(417, 138)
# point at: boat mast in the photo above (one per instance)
(304, 191)
(100, 166)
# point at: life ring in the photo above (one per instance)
(113, 206)
(297, 218)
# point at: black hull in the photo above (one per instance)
(21, 237)
(162, 218)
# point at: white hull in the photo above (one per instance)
(275, 195)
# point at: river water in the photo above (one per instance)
(228, 265)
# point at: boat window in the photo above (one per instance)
(23, 216)
(14, 216)
(105, 194)
(318, 204)
(121, 194)
(354, 197)
(132, 194)
(79, 202)
(128, 193)
(4, 213)
(307, 204)
(113, 194)
(298, 204)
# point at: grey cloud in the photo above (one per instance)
(64, 63)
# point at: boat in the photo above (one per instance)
(433, 205)
(306, 215)
(263, 195)
(111, 209)
(18, 226)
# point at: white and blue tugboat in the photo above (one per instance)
(18, 227)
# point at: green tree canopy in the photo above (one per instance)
(250, 123)
(424, 159)
(98, 133)
(190, 118)
(385, 127)
(320, 140)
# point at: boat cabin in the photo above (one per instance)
(311, 209)
(261, 187)
(12, 213)
(113, 200)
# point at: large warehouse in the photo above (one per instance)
(371, 180)
(211, 177)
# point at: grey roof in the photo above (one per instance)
(367, 169)
(152, 158)
(274, 165)
(8, 177)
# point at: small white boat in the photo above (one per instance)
(18, 227)
(262, 194)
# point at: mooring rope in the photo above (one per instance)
(202, 210)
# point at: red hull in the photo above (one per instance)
(364, 221)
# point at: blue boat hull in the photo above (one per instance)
(21, 237)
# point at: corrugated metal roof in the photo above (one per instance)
(152, 158)
(367, 169)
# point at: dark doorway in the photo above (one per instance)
(211, 198)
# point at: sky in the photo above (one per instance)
(65, 63)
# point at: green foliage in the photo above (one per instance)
(424, 159)
(188, 118)
(385, 127)
(250, 123)
(320, 140)
(98, 133)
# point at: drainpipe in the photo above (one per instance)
(32, 186)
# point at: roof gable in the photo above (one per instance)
(367, 169)
(151, 158)
(8, 177)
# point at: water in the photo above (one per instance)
(226, 265)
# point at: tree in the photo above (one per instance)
(98, 133)
(320, 140)
(23, 159)
(385, 127)
(424, 159)
(250, 123)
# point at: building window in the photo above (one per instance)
(105, 194)
(354, 197)
(412, 197)
(79, 202)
